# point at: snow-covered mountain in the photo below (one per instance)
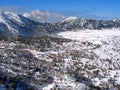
(69, 19)
(76, 59)
(75, 23)
(13, 25)
(81, 23)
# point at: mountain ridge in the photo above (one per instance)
(14, 25)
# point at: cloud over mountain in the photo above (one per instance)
(43, 15)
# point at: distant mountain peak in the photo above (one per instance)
(69, 19)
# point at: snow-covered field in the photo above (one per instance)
(89, 61)
(90, 35)
(33, 57)
(99, 52)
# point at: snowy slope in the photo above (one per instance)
(12, 24)
(88, 59)
(98, 54)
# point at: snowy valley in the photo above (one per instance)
(73, 54)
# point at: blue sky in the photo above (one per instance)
(100, 9)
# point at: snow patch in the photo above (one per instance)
(69, 19)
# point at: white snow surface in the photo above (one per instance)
(98, 61)
(93, 55)
(90, 35)
(99, 58)
(69, 19)
(105, 45)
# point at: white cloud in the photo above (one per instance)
(43, 16)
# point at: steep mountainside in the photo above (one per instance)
(13, 25)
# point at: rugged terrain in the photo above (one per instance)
(59, 56)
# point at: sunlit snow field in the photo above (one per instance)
(105, 45)
(89, 61)
(90, 35)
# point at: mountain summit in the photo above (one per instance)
(69, 19)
